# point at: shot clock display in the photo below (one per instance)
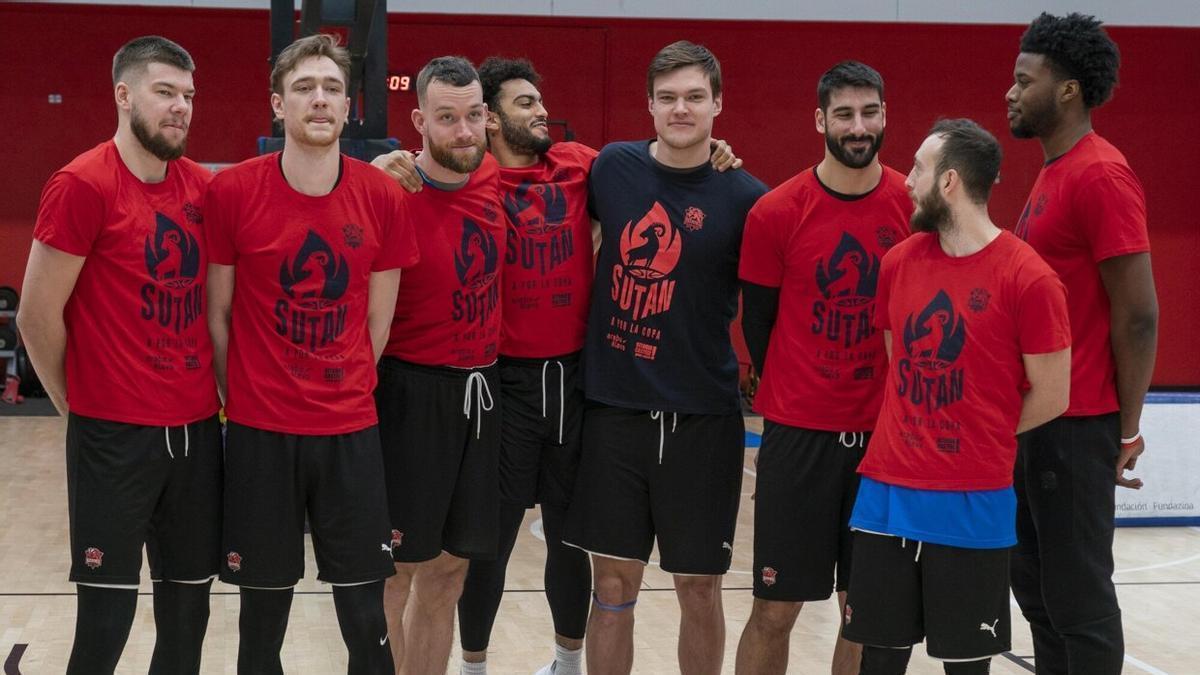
(397, 82)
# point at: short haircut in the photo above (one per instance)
(971, 151)
(681, 55)
(848, 74)
(495, 71)
(1076, 48)
(320, 44)
(452, 70)
(142, 51)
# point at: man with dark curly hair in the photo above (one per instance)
(1086, 216)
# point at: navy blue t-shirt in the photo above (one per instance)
(666, 282)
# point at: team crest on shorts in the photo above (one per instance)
(397, 537)
(93, 557)
(768, 576)
(233, 561)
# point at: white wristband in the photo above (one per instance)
(1132, 439)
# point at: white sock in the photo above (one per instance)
(567, 661)
(473, 668)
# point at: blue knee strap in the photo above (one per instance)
(613, 608)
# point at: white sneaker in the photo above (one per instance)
(547, 669)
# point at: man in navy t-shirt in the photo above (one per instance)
(663, 437)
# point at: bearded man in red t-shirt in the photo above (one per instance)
(809, 268)
(119, 236)
(1086, 216)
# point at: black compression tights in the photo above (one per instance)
(568, 577)
(102, 621)
(360, 616)
(568, 580)
(480, 599)
(262, 624)
(364, 628)
(180, 622)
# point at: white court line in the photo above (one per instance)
(1160, 565)
(1171, 563)
(749, 472)
(1143, 666)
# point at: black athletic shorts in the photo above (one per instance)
(648, 474)
(541, 430)
(804, 493)
(440, 429)
(273, 479)
(130, 485)
(902, 591)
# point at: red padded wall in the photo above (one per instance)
(594, 72)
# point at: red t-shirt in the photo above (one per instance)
(1087, 207)
(548, 259)
(825, 360)
(300, 359)
(137, 343)
(448, 311)
(956, 379)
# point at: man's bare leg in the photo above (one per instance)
(395, 597)
(610, 625)
(429, 618)
(847, 655)
(701, 624)
(763, 649)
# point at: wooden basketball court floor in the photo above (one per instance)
(1158, 580)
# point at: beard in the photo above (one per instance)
(521, 139)
(854, 159)
(1037, 119)
(156, 144)
(442, 154)
(932, 213)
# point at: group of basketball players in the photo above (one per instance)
(529, 322)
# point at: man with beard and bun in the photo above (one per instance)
(810, 259)
(546, 287)
(118, 236)
(438, 380)
(1086, 216)
(978, 341)
(307, 246)
(663, 436)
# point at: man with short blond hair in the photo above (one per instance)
(307, 246)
